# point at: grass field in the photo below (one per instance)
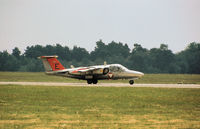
(98, 107)
(147, 78)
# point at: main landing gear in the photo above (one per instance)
(94, 81)
(131, 82)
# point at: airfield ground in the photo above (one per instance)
(102, 84)
(53, 106)
(98, 107)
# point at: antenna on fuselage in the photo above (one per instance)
(72, 66)
(105, 63)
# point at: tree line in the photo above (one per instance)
(155, 60)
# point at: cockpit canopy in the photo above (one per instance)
(117, 68)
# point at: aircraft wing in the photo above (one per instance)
(83, 70)
(89, 70)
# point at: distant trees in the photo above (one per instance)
(155, 60)
(189, 59)
(138, 58)
(112, 53)
(16, 52)
(161, 58)
(8, 62)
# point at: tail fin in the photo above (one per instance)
(51, 63)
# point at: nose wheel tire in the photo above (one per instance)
(92, 81)
(131, 82)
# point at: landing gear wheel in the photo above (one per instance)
(89, 81)
(131, 82)
(95, 81)
(92, 81)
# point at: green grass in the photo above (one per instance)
(147, 78)
(98, 107)
(32, 77)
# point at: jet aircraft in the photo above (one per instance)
(92, 73)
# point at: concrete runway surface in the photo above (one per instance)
(102, 84)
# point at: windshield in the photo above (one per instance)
(117, 68)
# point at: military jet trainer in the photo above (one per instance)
(92, 73)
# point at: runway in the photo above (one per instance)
(102, 84)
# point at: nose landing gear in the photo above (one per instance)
(131, 82)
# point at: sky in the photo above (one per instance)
(84, 22)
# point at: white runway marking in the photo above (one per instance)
(102, 84)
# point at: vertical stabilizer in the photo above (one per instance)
(51, 63)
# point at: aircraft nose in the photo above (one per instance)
(140, 74)
(136, 73)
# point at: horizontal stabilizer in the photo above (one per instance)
(43, 57)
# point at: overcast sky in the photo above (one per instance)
(83, 22)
